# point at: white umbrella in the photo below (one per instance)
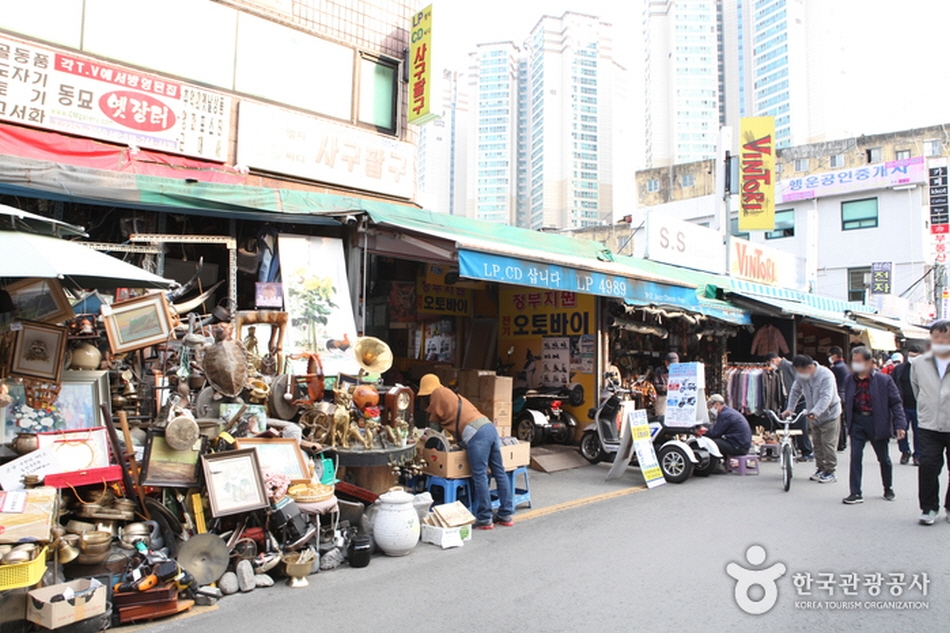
(27, 255)
(20, 220)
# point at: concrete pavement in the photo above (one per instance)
(649, 560)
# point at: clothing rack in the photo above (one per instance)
(751, 388)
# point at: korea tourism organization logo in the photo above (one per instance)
(758, 586)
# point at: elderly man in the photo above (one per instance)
(817, 384)
(731, 432)
(874, 413)
(928, 377)
(479, 437)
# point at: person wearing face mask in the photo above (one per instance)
(817, 385)
(731, 432)
(840, 369)
(928, 377)
(785, 369)
(901, 377)
(874, 414)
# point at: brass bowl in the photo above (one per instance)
(92, 559)
(79, 527)
(18, 556)
(95, 538)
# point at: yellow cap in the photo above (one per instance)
(428, 384)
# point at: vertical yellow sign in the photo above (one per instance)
(757, 174)
(420, 67)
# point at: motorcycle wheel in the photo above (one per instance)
(675, 464)
(526, 431)
(566, 434)
(707, 464)
(590, 447)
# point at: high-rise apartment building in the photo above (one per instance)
(442, 168)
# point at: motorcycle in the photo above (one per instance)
(539, 416)
(681, 451)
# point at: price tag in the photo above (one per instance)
(105, 310)
(16, 326)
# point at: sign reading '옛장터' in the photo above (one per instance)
(756, 170)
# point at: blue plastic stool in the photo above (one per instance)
(519, 495)
(451, 489)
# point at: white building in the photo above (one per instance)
(442, 168)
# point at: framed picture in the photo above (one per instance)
(234, 483)
(39, 351)
(78, 406)
(279, 454)
(255, 415)
(40, 300)
(163, 466)
(268, 294)
(138, 323)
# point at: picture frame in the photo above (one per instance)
(254, 414)
(164, 467)
(268, 294)
(234, 483)
(39, 300)
(78, 405)
(138, 323)
(39, 351)
(279, 454)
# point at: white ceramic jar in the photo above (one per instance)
(396, 525)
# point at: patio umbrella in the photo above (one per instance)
(27, 255)
(15, 219)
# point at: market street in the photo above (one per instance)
(651, 560)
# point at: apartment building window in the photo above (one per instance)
(874, 154)
(653, 185)
(859, 214)
(858, 279)
(801, 164)
(688, 180)
(933, 147)
(784, 225)
(902, 154)
(734, 229)
(837, 161)
(378, 90)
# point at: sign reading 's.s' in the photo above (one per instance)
(757, 174)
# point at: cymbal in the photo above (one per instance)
(204, 556)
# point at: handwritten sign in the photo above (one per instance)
(40, 462)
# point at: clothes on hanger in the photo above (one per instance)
(769, 339)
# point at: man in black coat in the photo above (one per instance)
(840, 369)
(731, 432)
(901, 376)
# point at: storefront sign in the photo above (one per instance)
(939, 209)
(442, 299)
(835, 183)
(762, 264)
(684, 244)
(686, 395)
(881, 273)
(287, 142)
(420, 68)
(643, 445)
(509, 270)
(757, 174)
(62, 91)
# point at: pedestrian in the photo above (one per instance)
(785, 369)
(478, 436)
(817, 385)
(895, 359)
(901, 377)
(928, 376)
(661, 379)
(731, 432)
(874, 413)
(840, 369)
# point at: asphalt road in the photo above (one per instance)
(650, 560)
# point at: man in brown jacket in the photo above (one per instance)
(479, 437)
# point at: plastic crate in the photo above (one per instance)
(23, 574)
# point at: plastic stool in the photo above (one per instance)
(451, 489)
(519, 495)
(742, 464)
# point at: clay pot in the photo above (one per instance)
(85, 356)
(396, 525)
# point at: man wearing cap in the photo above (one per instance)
(478, 436)
(731, 432)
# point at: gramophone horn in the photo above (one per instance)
(373, 355)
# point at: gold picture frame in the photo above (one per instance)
(38, 300)
(138, 323)
(39, 351)
(280, 454)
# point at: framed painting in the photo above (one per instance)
(234, 483)
(40, 300)
(138, 323)
(279, 454)
(163, 466)
(39, 351)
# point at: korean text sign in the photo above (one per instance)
(881, 278)
(65, 92)
(835, 183)
(441, 298)
(420, 68)
(757, 174)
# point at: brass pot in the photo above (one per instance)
(25, 443)
(95, 538)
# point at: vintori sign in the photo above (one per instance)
(762, 264)
(757, 174)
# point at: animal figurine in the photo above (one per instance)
(342, 344)
(340, 429)
(225, 363)
(314, 379)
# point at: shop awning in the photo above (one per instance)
(879, 340)
(894, 326)
(789, 309)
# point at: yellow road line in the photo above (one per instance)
(576, 503)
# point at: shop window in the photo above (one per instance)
(902, 154)
(859, 214)
(734, 229)
(858, 280)
(784, 225)
(933, 147)
(378, 90)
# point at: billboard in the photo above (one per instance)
(420, 68)
(757, 174)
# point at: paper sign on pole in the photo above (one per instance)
(757, 174)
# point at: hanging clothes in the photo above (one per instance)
(769, 339)
(744, 389)
(774, 395)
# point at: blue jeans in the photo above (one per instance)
(904, 444)
(484, 452)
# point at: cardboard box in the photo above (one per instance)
(516, 455)
(448, 375)
(498, 412)
(87, 602)
(470, 381)
(497, 388)
(504, 431)
(446, 537)
(454, 465)
(34, 523)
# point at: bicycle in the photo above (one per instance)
(786, 448)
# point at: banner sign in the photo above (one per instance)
(757, 174)
(65, 92)
(442, 298)
(509, 270)
(420, 68)
(684, 244)
(643, 445)
(881, 277)
(835, 183)
(686, 395)
(763, 264)
(939, 209)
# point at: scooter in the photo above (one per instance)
(540, 416)
(679, 458)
